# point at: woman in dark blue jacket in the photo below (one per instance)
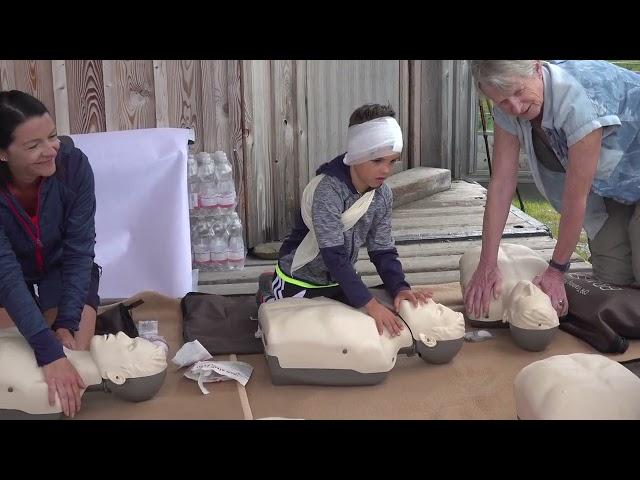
(47, 238)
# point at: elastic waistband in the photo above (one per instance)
(300, 283)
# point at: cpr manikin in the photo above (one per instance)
(580, 386)
(522, 305)
(325, 342)
(132, 369)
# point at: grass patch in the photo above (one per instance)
(633, 65)
(542, 211)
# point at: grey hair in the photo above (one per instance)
(500, 73)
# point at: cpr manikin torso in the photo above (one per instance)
(522, 305)
(133, 369)
(322, 341)
(579, 386)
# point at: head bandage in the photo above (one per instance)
(373, 139)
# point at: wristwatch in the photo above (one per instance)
(559, 266)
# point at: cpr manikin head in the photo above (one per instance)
(24, 393)
(532, 320)
(133, 368)
(437, 330)
(516, 262)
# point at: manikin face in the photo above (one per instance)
(433, 319)
(119, 357)
(435, 311)
(530, 308)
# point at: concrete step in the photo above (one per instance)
(417, 183)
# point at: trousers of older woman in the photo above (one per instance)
(615, 250)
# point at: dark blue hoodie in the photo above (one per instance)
(66, 230)
(339, 249)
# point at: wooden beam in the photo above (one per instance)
(7, 75)
(215, 106)
(60, 96)
(85, 85)
(110, 95)
(414, 134)
(464, 118)
(161, 92)
(404, 112)
(446, 115)
(284, 164)
(236, 136)
(302, 122)
(135, 94)
(36, 78)
(184, 84)
(257, 101)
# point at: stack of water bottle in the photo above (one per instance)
(216, 228)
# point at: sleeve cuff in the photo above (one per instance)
(63, 322)
(46, 347)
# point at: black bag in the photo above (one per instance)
(223, 325)
(118, 319)
(603, 315)
(633, 365)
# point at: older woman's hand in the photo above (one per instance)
(551, 282)
(485, 284)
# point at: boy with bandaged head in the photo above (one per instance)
(345, 207)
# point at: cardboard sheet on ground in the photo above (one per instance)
(142, 215)
(477, 384)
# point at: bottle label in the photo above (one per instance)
(202, 257)
(219, 257)
(235, 256)
(208, 201)
(228, 200)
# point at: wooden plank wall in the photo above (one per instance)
(435, 111)
(336, 88)
(277, 120)
(97, 96)
(87, 96)
(446, 115)
(464, 119)
(296, 116)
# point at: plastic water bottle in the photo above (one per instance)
(193, 180)
(201, 242)
(209, 196)
(235, 251)
(218, 245)
(226, 185)
(193, 237)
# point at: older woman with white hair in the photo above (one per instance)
(579, 123)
